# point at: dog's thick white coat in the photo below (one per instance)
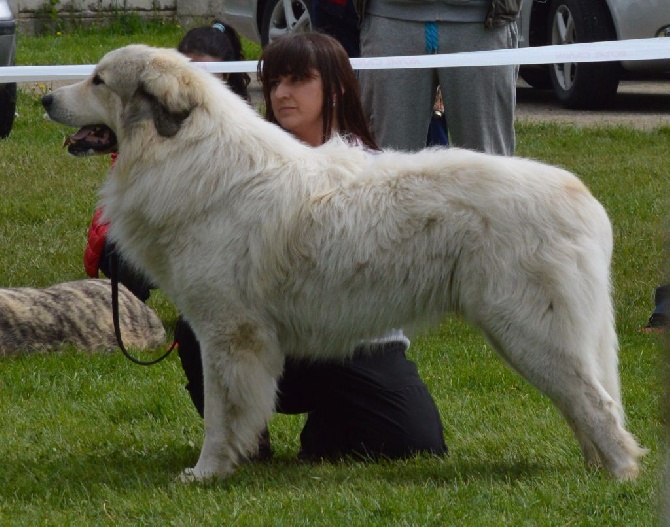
(270, 248)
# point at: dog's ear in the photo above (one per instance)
(153, 83)
(143, 107)
(166, 83)
(167, 123)
(167, 78)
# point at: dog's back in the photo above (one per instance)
(77, 314)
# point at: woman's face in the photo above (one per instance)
(298, 106)
(199, 57)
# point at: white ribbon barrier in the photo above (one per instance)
(623, 50)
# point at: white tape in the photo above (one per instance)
(640, 49)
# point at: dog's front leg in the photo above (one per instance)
(240, 380)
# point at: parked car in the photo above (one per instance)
(7, 52)
(542, 22)
(589, 85)
(261, 21)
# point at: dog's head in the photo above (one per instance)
(130, 86)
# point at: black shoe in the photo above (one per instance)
(658, 322)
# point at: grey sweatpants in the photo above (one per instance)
(479, 101)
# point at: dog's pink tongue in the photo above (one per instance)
(83, 132)
(78, 135)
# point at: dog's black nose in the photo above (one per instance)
(47, 100)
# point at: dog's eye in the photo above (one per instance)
(96, 80)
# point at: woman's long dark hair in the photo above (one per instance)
(220, 41)
(298, 55)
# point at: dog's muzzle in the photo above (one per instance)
(88, 140)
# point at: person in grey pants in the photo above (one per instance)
(479, 101)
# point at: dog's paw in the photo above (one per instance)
(191, 475)
(194, 475)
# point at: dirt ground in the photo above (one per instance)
(641, 104)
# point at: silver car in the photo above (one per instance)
(542, 22)
(261, 21)
(7, 53)
(590, 85)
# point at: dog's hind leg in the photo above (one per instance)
(240, 374)
(606, 369)
(608, 359)
(564, 367)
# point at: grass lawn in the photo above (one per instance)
(96, 440)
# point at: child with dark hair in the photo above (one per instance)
(217, 43)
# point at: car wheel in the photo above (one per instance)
(582, 84)
(285, 16)
(7, 108)
(537, 77)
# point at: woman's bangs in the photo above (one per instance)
(288, 60)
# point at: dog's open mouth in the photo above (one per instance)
(91, 140)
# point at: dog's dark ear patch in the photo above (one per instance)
(167, 123)
(145, 106)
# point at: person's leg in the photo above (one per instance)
(326, 435)
(479, 101)
(303, 386)
(660, 318)
(191, 361)
(662, 300)
(398, 102)
(339, 21)
(374, 405)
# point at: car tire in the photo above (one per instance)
(582, 85)
(536, 77)
(285, 16)
(7, 108)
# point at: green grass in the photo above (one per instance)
(87, 46)
(96, 440)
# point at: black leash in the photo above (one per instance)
(113, 264)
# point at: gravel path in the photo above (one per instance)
(640, 104)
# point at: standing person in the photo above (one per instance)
(375, 404)
(659, 321)
(338, 18)
(479, 101)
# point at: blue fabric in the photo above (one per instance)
(432, 42)
(437, 131)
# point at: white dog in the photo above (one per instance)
(270, 247)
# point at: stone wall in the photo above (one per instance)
(34, 15)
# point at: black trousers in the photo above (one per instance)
(373, 405)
